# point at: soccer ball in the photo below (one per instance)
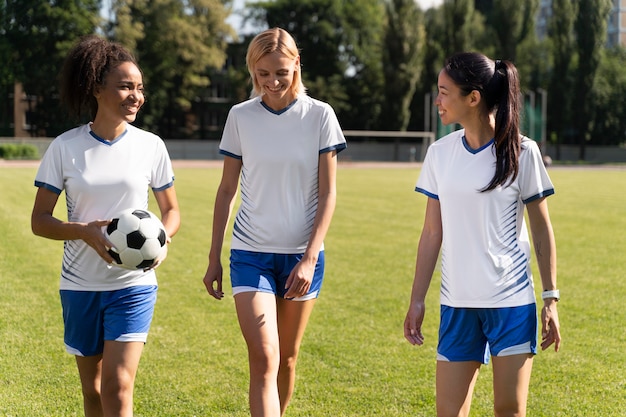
(138, 239)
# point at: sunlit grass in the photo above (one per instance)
(354, 360)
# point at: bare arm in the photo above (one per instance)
(44, 224)
(301, 276)
(224, 203)
(170, 212)
(545, 251)
(427, 255)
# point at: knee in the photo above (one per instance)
(264, 359)
(91, 391)
(288, 361)
(91, 395)
(118, 387)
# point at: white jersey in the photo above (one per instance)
(279, 179)
(485, 258)
(101, 179)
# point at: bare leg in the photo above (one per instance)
(256, 312)
(120, 361)
(293, 317)
(511, 378)
(90, 372)
(455, 386)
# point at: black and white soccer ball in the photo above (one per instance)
(138, 239)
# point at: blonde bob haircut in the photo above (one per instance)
(267, 42)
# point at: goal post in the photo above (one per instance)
(397, 137)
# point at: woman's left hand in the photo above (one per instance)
(550, 327)
(161, 257)
(300, 278)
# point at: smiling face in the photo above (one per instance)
(121, 96)
(452, 105)
(274, 73)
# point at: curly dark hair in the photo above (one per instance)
(85, 69)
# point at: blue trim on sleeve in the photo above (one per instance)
(426, 193)
(542, 194)
(165, 187)
(339, 147)
(232, 155)
(47, 187)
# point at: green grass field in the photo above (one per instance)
(354, 359)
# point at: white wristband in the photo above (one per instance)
(551, 294)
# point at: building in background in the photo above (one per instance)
(616, 28)
(616, 31)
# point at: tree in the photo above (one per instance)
(317, 26)
(37, 34)
(177, 43)
(454, 26)
(363, 39)
(404, 40)
(462, 26)
(560, 32)
(340, 48)
(590, 27)
(511, 22)
(6, 75)
(609, 127)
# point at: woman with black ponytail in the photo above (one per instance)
(478, 181)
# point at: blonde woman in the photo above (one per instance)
(281, 147)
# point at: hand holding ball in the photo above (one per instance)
(138, 239)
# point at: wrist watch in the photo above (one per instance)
(551, 294)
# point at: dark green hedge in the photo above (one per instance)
(18, 151)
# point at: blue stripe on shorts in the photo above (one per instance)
(472, 334)
(268, 272)
(91, 317)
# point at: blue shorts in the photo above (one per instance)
(91, 317)
(268, 272)
(472, 334)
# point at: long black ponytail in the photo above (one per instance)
(498, 84)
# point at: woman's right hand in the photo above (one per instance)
(93, 235)
(213, 280)
(413, 323)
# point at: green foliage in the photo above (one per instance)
(610, 90)
(316, 25)
(18, 151)
(590, 26)
(354, 360)
(404, 40)
(512, 21)
(363, 28)
(341, 47)
(6, 75)
(177, 44)
(38, 34)
(560, 81)
(461, 27)
(353, 57)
